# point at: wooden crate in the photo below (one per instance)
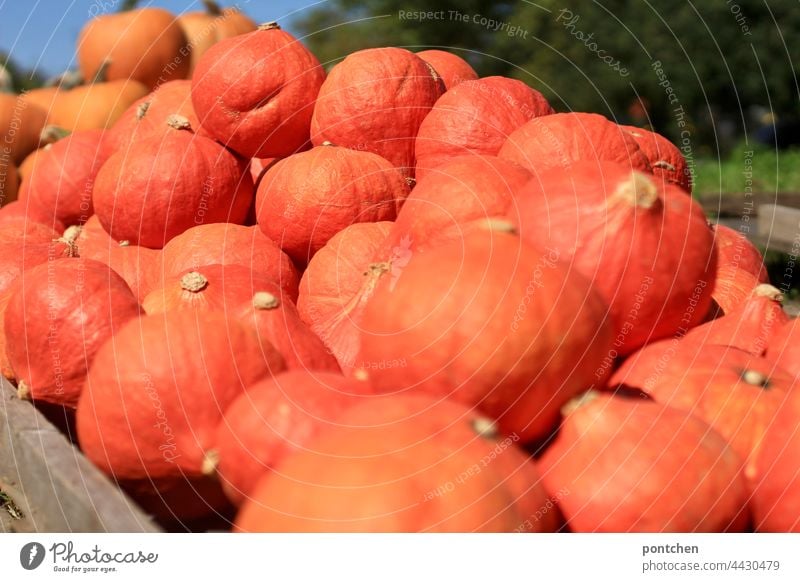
(778, 228)
(48, 485)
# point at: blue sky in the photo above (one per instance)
(42, 33)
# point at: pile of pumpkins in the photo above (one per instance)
(393, 297)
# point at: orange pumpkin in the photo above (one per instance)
(203, 29)
(21, 124)
(452, 69)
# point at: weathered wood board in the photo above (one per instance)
(779, 228)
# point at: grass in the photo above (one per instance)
(770, 170)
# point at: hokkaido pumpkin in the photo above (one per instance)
(402, 463)
(734, 250)
(9, 183)
(136, 265)
(64, 177)
(17, 213)
(278, 323)
(491, 322)
(255, 92)
(230, 244)
(376, 99)
(475, 118)
(305, 199)
(273, 419)
(58, 316)
(146, 45)
(732, 287)
(665, 158)
(338, 282)
(561, 139)
(450, 201)
(631, 465)
(452, 69)
(784, 347)
(204, 29)
(164, 185)
(776, 500)
(735, 393)
(645, 245)
(21, 123)
(750, 327)
(154, 397)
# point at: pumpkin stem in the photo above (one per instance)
(664, 165)
(51, 134)
(755, 378)
(498, 225)
(128, 5)
(23, 391)
(212, 8)
(101, 76)
(327, 143)
(193, 282)
(264, 300)
(176, 121)
(71, 234)
(484, 427)
(141, 110)
(124, 243)
(411, 182)
(768, 291)
(270, 26)
(210, 463)
(639, 191)
(578, 402)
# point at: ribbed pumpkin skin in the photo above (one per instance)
(204, 29)
(275, 418)
(644, 244)
(493, 323)
(255, 92)
(784, 347)
(147, 45)
(714, 385)
(732, 287)
(163, 185)
(21, 122)
(154, 397)
(734, 250)
(148, 116)
(476, 117)
(451, 68)
(776, 501)
(64, 176)
(385, 468)
(305, 199)
(458, 196)
(665, 158)
(376, 99)
(229, 244)
(58, 316)
(561, 139)
(338, 282)
(639, 466)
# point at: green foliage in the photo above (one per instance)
(21, 80)
(758, 167)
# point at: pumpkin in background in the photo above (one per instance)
(64, 176)
(137, 265)
(9, 183)
(278, 323)
(735, 251)
(146, 45)
(255, 93)
(305, 199)
(451, 68)
(162, 186)
(154, 397)
(631, 465)
(750, 327)
(273, 419)
(665, 158)
(784, 347)
(457, 197)
(203, 29)
(339, 281)
(735, 393)
(475, 117)
(230, 244)
(21, 124)
(491, 322)
(643, 243)
(402, 463)
(561, 139)
(376, 99)
(58, 316)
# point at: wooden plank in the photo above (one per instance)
(733, 205)
(779, 228)
(55, 486)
